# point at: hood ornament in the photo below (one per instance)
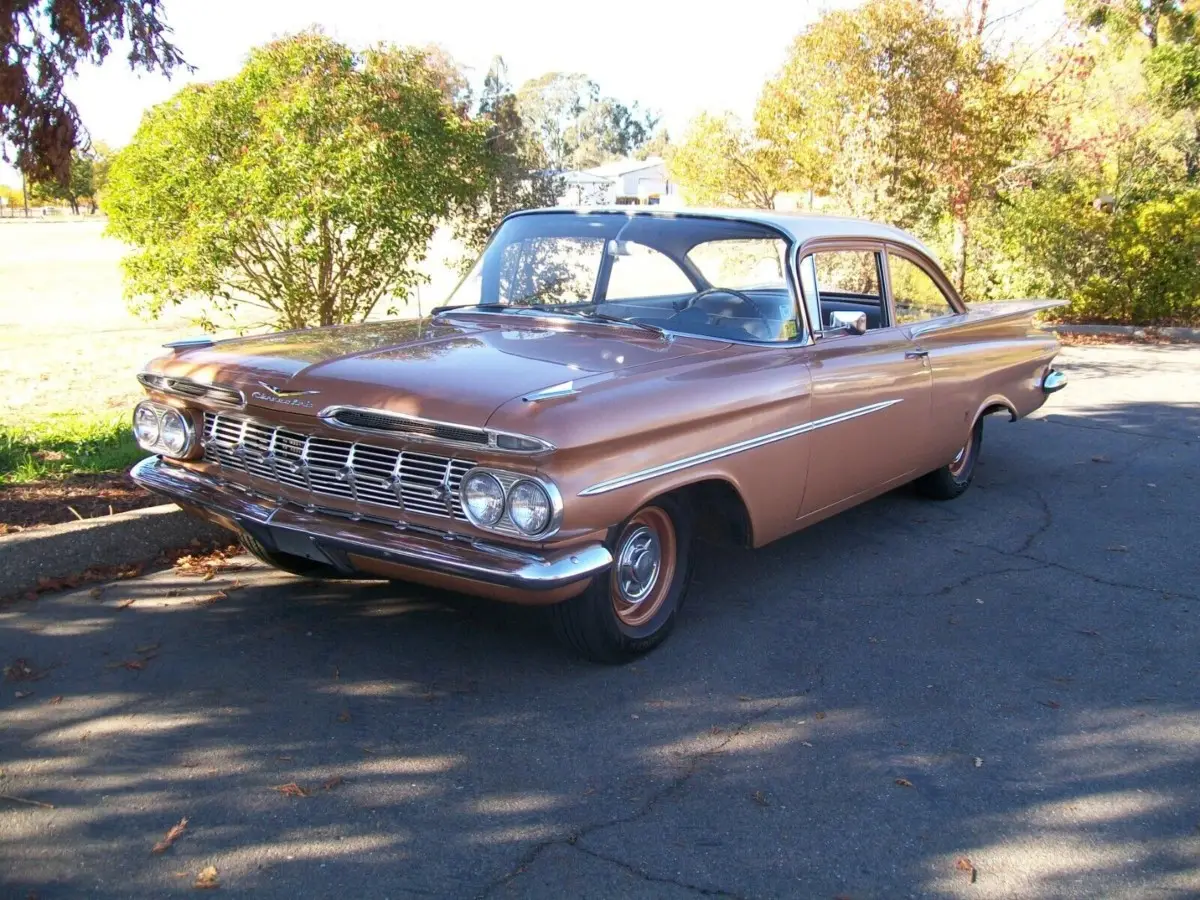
(285, 395)
(273, 394)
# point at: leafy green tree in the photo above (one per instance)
(42, 43)
(578, 127)
(307, 185)
(515, 175)
(719, 163)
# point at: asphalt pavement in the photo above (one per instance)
(996, 697)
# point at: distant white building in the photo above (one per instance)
(626, 182)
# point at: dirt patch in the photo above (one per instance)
(52, 502)
(1087, 340)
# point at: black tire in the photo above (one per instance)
(952, 479)
(603, 624)
(288, 562)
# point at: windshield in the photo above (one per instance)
(692, 275)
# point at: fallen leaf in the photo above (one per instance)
(760, 798)
(716, 729)
(903, 782)
(207, 879)
(125, 604)
(172, 836)
(337, 673)
(744, 699)
(977, 762)
(1101, 459)
(965, 865)
(806, 743)
(1090, 632)
(284, 758)
(344, 716)
(331, 783)
(23, 670)
(819, 715)
(1053, 704)
(134, 665)
(54, 701)
(95, 592)
(1118, 548)
(291, 789)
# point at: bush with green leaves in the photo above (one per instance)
(1137, 264)
(307, 185)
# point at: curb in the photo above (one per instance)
(1183, 335)
(129, 537)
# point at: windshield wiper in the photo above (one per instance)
(483, 307)
(617, 320)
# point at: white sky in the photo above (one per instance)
(672, 56)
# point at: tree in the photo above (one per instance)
(308, 185)
(718, 163)
(89, 171)
(42, 43)
(576, 126)
(899, 114)
(515, 176)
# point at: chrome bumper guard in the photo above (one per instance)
(1054, 381)
(329, 538)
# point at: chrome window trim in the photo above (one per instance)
(622, 481)
(508, 481)
(165, 383)
(327, 414)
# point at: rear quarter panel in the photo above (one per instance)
(993, 355)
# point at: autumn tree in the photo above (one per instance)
(42, 43)
(897, 113)
(308, 185)
(719, 163)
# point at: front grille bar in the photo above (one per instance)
(277, 460)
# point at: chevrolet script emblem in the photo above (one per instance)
(287, 398)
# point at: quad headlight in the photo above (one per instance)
(507, 502)
(163, 430)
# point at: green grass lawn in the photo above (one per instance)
(66, 444)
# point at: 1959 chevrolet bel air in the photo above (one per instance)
(604, 388)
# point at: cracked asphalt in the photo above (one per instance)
(993, 697)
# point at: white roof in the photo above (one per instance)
(800, 227)
(624, 167)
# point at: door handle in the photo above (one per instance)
(916, 354)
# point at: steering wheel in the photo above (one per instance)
(738, 295)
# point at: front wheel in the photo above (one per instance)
(955, 477)
(633, 609)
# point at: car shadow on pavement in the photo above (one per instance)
(989, 698)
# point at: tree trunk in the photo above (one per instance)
(962, 240)
(25, 193)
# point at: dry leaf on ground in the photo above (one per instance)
(344, 716)
(172, 836)
(207, 879)
(965, 865)
(903, 782)
(335, 781)
(23, 670)
(760, 798)
(291, 789)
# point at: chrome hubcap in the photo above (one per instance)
(638, 564)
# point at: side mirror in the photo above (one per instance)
(852, 322)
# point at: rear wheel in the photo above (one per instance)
(955, 477)
(289, 562)
(633, 608)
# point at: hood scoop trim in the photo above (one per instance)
(380, 421)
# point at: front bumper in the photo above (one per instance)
(332, 539)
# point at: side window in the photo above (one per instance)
(915, 294)
(846, 281)
(639, 271)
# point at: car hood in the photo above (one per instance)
(457, 369)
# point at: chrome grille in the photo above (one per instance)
(372, 420)
(275, 456)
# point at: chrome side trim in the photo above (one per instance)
(331, 536)
(1054, 381)
(192, 390)
(490, 436)
(613, 484)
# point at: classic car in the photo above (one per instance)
(602, 390)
